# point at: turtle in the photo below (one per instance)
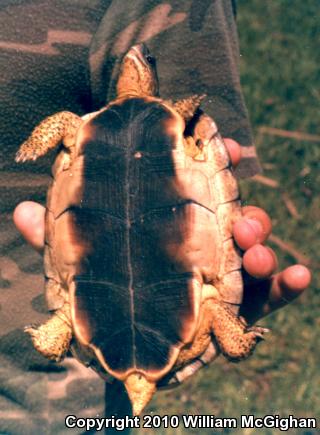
(142, 275)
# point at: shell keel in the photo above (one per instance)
(140, 391)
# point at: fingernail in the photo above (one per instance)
(256, 226)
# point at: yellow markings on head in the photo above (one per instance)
(137, 77)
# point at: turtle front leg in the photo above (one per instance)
(236, 340)
(61, 126)
(194, 148)
(190, 147)
(52, 339)
(188, 106)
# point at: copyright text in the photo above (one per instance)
(190, 421)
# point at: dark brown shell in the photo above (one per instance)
(137, 232)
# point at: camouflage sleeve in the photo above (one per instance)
(44, 48)
(196, 46)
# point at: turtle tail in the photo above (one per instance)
(140, 391)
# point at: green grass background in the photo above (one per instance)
(280, 58)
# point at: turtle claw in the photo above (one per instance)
(243, 321)
(29, 328)
(26, 154)
(19, 157)
(258, 331)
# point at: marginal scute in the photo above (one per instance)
(217, 154)
(227, 214)
(70, 182)
(193, 185)
(231, 289)
(225, 186)
(231, 260)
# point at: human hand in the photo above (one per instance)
(264, 291)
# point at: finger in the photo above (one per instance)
(234, 151)
(255, 227)
(29, 220)
(287, 286)
(261, 297)
(260, 261)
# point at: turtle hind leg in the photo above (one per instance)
(61, 126)
(236, 340)
(52, 339)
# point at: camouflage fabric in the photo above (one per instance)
(44, 48)
(64, 55)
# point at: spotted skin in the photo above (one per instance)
(234, 338)
(188, 106)
(60, 127)
(52, 339)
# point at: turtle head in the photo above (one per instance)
(138, 74)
